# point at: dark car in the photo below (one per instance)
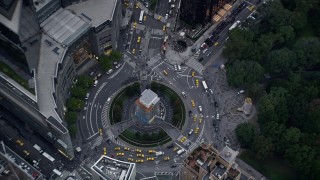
(215, 104)
(190, 113)
(201, 59)
(214, 123)
(109, 141)
(188, 144)
(173, 166)
(170, 146)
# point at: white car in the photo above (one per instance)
(167, 16)
(190, 132)
(210, 90)
(204, 51)
(200, 108)
(109, 71)
(240, 92)
(118, 66)
(175, 67)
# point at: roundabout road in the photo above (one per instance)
(96, 130)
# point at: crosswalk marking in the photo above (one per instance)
(193, 63)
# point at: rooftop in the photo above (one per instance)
(13, 23)
(149, 98)
(96, 11)
(64, 27)
(228, 154)
(39, 4)
(109, 168)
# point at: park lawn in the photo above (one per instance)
(272, 168)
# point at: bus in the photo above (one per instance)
(38, 148)
(204, 84)
(57, 172)
(234, 25)
(48, 156)
(141, 17)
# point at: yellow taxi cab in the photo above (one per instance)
(120, 154)
(164, 28)
(197, 82)
(194, 118)
(126, 148)
(100, 131)
(117, 148)
(216, 44)
(133, 51)
(175, 149)
(192, 103)
(200, 120)
(26, 152)
(159, 18)
(140, 155)
(139, 39)
(137, 5)
(150, 159)
(166, 158)
(20, 142)
(165, 72)
(151, 151)
(104, 151)
(251, 7)
(139, 160)
(183, 139)
(130, 159)
(134, 25)
(193, 73)
(145, 18)
(138, 150)
(196, 130)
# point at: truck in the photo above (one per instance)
(57, 172)
(234, 25)
(38, 148)
(180, 151)
(159, 153)
(204, 84)
(48, 156)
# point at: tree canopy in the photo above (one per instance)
(279, 54)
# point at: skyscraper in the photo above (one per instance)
(37, 38)
(195, 12)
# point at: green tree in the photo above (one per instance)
(138, 134)
(105, 62)
(273, 130)
(245, 133)
(255, 90)
(78, 92)
(286, 34)
(72, 130)
(301, 157)
(84, 82)
(115, 55)
(307, 50)
(263, 146)
(74, 104)
(71, 117)
(117, 113)
(244, 73)
(273, 107)
(239, 44)
(281, 60)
